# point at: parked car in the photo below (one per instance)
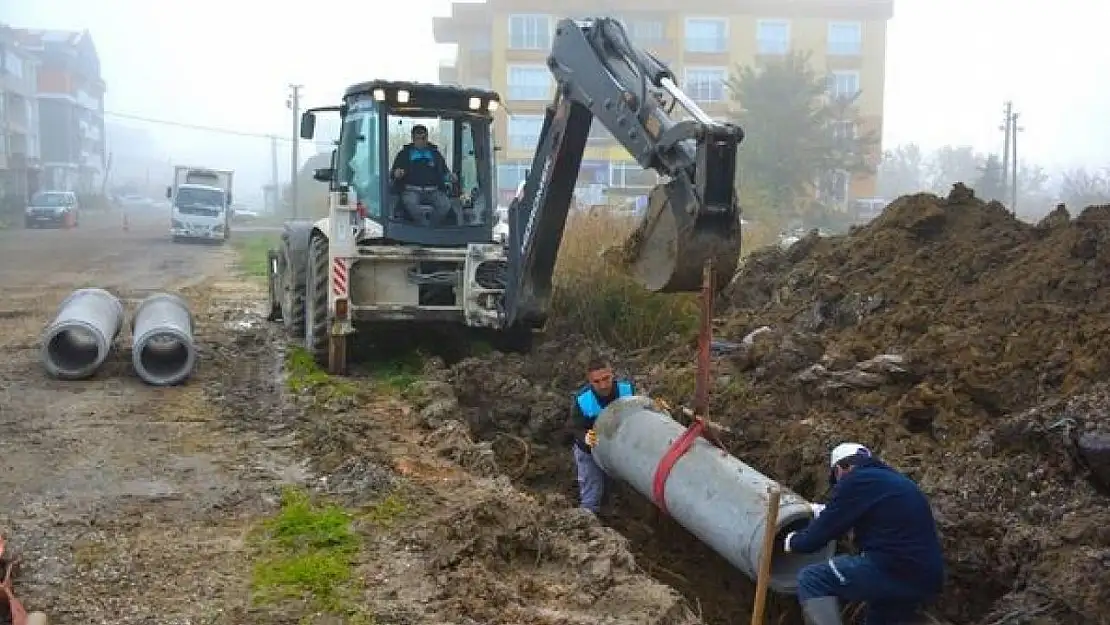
(53, 209)
(241, 213)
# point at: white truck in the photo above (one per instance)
(200, 200)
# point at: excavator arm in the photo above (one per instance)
(692, 215)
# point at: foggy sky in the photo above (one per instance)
(226, 63)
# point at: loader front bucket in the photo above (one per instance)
(667, 253)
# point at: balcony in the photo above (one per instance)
(21, 86)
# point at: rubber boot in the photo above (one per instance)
(822, 611)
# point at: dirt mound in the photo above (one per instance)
(943, 334)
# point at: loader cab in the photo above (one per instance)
(377, 121)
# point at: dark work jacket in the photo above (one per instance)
(892, 522)
(587, 406)
(424, 167)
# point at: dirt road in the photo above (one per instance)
(128, 503)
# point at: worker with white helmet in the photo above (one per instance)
(900, 566)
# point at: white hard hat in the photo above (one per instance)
(846, 450)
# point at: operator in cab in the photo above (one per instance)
(900, 567)
(601, 389)
(421, 174)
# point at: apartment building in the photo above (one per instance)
(70, 94)
(19, 123)
(502, 44)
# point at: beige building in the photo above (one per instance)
(502, 44)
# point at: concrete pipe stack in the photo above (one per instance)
(80, 338)
(715, 496)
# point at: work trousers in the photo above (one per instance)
(889, 600)
(415, 199)
(591, 481)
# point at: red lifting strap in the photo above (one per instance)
(678, 448)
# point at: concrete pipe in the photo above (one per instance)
(162, 350)
(37, 618)
(716, 497)
(80, 338)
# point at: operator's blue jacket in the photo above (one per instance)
(892, 522)
(587, 406)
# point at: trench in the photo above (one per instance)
(665, 550)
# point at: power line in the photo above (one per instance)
(166, 122)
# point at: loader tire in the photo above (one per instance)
(293, 293)
(316, 301)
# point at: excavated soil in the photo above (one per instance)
(967, 348)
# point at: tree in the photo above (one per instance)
(952, 164)
(902, 171)
(1034, 199)
(991, 185)
(797, 136)
(1081, 188)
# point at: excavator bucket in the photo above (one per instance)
(667, 253)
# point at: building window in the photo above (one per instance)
(529, 82)
(14, 64)
(524, 131)
(843, 85)
(845, 38)
(625, 174)
(529, 32)
(834, 187)
(772, 37)
(646, 32)
(844, 131)
(707, 35)
(705, 84)
(511, 173)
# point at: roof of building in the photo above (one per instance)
(40, 37)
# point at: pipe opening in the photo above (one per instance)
(72, 351)
(165, 357)
(786, 566)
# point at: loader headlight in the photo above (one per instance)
(492, 105)
(379, 95)
(475, 104)
(402, 96)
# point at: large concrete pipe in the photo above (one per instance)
(80, 338)
(716, 497)
(162, 349)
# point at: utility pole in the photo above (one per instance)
(1006, 127)
(275, 195)
(294, 104)
(1014, 130)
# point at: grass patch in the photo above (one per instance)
(306, 552)
(398, 374)
(303, 375)
(387, 512)
(593, 297)
(252, 250)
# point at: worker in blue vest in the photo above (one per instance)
(900, 566)
(602, 389)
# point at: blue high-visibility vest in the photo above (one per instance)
(588, 404)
